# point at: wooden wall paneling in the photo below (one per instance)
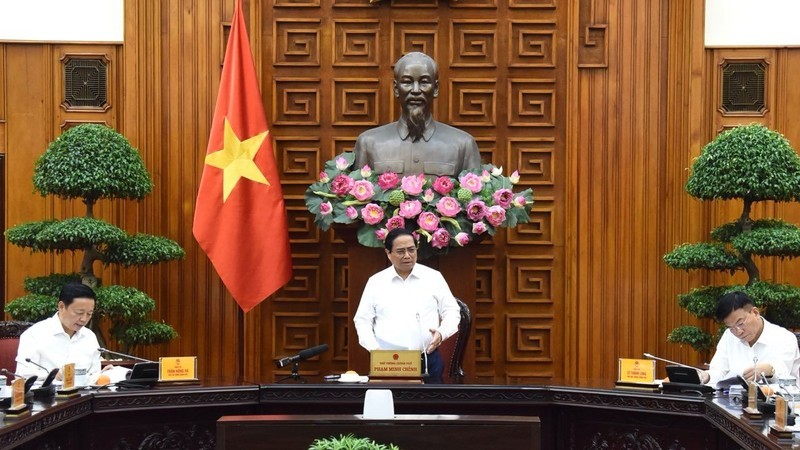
(29, 124)
(174, 52)
(620, 150)
(3, 145)
(686, 131)
(787, 108)
(330, 77)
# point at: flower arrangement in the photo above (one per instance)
(441, 211)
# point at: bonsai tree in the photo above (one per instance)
(93, 162)
(752, 164)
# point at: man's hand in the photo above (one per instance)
(705, 377)
(766, 368)
(436, 341)
(59, 375)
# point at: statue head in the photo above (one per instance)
(416, 84)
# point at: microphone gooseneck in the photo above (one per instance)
(105, 350)
(648, 355)
(28, 360)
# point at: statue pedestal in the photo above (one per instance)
(457, 266)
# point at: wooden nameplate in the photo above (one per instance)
(63, 394)
(21, 412)
(780, 432)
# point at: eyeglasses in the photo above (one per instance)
(411, 251)
(741, 323)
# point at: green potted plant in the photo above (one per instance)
(349, 442)
(93, 162)
(751, 164)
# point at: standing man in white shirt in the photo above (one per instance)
(751, 346)
(407, 306)
(63, 338)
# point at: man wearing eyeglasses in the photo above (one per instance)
(750, 337)
(407, 306)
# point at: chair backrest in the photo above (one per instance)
(454, 348)
(10, 332)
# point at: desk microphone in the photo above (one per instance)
(8, 372)
(302, 356)
(28, 381)
(424, 353)
(105, 350)
(51, 374)
(28, 360)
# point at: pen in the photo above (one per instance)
(331, 377)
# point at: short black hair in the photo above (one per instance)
(730, 302)
(71, 291)
(394, 234)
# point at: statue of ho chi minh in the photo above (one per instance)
(416, 143)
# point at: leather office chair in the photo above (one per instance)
(454, 348)
(10, 332)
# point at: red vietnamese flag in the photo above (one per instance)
(240, 218)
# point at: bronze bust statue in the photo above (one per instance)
(416, 143)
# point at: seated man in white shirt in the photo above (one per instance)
(407, 306)
(750, 338)
(63, 338)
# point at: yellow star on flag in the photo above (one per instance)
(236, 159)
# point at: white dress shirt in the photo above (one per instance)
(776, 346)
(47, 344)
(398, 314)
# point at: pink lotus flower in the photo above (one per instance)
(341, 163)
(325, 208)
(496, 215)
(362, 190)
(388, 180)
(412, 184)
(416, 236)
(472, 182)
(514, 177)
(381, 233)
(503, 197)
(366, 171)
(485, 177)
(476, 210)
(443, 185)
(323, 177)
(441, 238)
(479, 228)
(342, 184)
(462, 239)
(351, 213)
(395, 222)
(372, 214)
(428, 197)
(520, 202)
(410, 208)
(428, 221)
(448, 207)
